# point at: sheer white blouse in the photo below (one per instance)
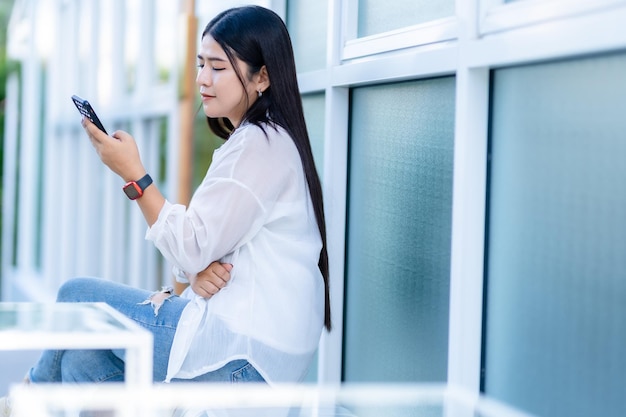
(253, 210)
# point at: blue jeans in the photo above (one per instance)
(108, 365)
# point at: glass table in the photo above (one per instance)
(255, 400)
(38, 326)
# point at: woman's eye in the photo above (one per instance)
(218, 69)
(200, 65)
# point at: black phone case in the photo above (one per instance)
(86, 110)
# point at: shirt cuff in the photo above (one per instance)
(153, 232)
(180, 275)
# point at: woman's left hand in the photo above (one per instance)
(210, 281)
(119, 151)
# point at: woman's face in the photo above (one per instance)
(220, 89)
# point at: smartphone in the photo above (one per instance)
(86, 110)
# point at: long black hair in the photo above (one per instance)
(258, 37)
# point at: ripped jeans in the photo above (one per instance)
(157, 312)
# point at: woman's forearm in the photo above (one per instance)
(151, 203)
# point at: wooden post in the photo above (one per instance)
(187, 95)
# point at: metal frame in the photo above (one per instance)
(484, 35)
(31, 326)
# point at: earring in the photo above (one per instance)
(260, 93)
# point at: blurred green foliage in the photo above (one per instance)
(204, 144)
(5, 12)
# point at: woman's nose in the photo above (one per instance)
(203, 77)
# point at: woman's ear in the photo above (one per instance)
(262, 79)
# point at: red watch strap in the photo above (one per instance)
(135, 189)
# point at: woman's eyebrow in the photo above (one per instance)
(211, 58)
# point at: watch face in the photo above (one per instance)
(132, 190)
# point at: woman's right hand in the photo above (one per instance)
(209, 282)
(119, 151)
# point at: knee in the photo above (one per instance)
(75, 290)
(91, 366)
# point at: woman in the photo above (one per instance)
(257, 315)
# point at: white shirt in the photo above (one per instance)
(253, 209)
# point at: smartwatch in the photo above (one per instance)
(135, 189)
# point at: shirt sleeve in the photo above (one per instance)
(180, 276)
(227, 209)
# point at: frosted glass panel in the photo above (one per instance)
(313, 105)
(556, 271)
(399, 220)
(306, 21)
(377, 16)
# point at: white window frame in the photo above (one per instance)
(497, 16)
(483, 36)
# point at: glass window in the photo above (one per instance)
(555, 294)
(108, 53)
(399, 232)
(166, 39)
(132, 39)
(377, 16)
(313, 105)
(306, 21)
